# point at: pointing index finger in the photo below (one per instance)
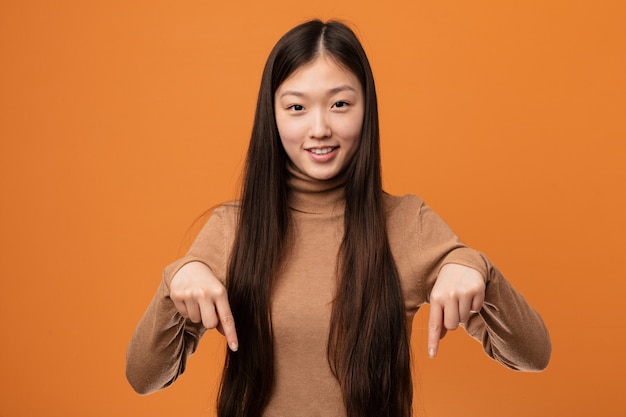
(227, 322)
(435, 322)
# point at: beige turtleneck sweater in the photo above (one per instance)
(510, 331)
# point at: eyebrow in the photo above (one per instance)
(331, 92)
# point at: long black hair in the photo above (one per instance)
(368, 347)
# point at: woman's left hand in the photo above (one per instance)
(458, 292)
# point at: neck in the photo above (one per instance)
(310, 195)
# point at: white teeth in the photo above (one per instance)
(323, 151)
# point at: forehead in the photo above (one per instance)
(323, 73)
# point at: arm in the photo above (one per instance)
(465, 288)
(510, 330)
(190, 300)
(458, 292)
(162, 342)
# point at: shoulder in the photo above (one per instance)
(405, 205)
(228, 207)
(219, 221)
(403, 216)
(227, 211)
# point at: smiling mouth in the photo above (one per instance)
(322, 151)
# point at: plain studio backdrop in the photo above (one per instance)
(123, 121)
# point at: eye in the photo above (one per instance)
(340, 104)
(296, 107)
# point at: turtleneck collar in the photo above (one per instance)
(309, 195)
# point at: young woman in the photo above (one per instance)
(315, 274)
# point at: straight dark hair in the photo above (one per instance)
(368, 347)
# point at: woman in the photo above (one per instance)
(315, 275)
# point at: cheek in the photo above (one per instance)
(288, 130)
(350, 129)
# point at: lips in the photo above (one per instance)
(322, 151)
(322, 154)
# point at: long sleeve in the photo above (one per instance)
(510, 330)
(162, 342)
(163, 339)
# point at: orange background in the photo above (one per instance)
(121, 122)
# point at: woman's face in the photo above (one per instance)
(319, 114)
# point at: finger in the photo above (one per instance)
(178, 298)
(451, 315)
(227, 322)
(465, 305)
(209, 315)
(180, 307)
(478, 301)
(435, 324)
(193, 310)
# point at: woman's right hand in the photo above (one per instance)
(200, 297)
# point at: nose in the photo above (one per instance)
(320, 128)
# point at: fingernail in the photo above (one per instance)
(431, 352)
(234, 347)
